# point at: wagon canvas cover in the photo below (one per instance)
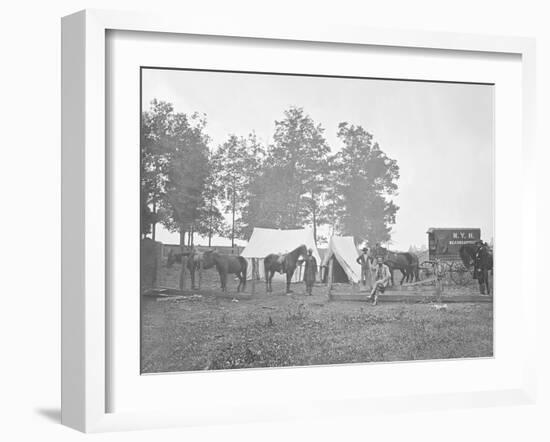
(265, 241)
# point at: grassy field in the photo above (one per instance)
(203, 332)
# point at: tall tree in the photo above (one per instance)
(239, 161)
(290, 190)
(365, 180)
(156, 128)
(187, 173)
(211, 220)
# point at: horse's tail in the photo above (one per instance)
(244, 264)
(244, 271)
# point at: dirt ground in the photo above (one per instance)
(202, 332)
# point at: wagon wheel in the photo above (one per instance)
(426, 272)
(460, 274)
(443, 269)
(433, 269)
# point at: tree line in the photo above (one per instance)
(190, 186)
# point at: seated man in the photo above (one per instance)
(382, 279)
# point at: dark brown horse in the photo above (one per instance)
(283, 264)
(405, 262)
(226, 264)
(481, 258)
(414, 268)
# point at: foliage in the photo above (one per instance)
(187, 172)
(288, 193)
(292, 183)
(238, 163)
(210, 218)
(155, 134)
(364, 178)
(174, 167)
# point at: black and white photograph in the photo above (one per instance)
(303, 220)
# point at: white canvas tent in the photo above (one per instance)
(265, 241)
(344, 251)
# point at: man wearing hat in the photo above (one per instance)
(310, 271)
(480, 248)
(382, 278)
(364, 260)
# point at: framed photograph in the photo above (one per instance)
(264, 222)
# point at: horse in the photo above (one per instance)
(414, 268)
(193, 262)
(283, 264)
(173, 258)
(481, 257)
(402, 261)
(226, 264)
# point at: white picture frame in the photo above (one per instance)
(85, 201)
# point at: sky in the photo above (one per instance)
(441, 134)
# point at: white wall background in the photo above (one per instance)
(30, 221)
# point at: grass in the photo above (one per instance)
(277, 330)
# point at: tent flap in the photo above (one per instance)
(344, 250)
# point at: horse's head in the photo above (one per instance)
(467, 254)
(208, 257)
(380, 251)
(302, 251)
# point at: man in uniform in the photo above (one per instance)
(382, 279)
(364, 260)
(310, 271)
(479, 273)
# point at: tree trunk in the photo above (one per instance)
(182, 238)
(211, 221)
(314, 213)
(190, 237)
(233, 218)
(154, 223)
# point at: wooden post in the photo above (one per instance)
(330, 276)
(439, 274)
(253, 275)
(158, 265)
(182, 272)
(200, 273)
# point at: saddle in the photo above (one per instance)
(281, 261)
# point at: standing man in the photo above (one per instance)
(364, 260)
(482, 264)
(310, 271)
(479, 249)
(382, 280)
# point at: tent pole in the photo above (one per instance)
(200, 273)
(330, 276)
(253, 275)
(182, 272)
